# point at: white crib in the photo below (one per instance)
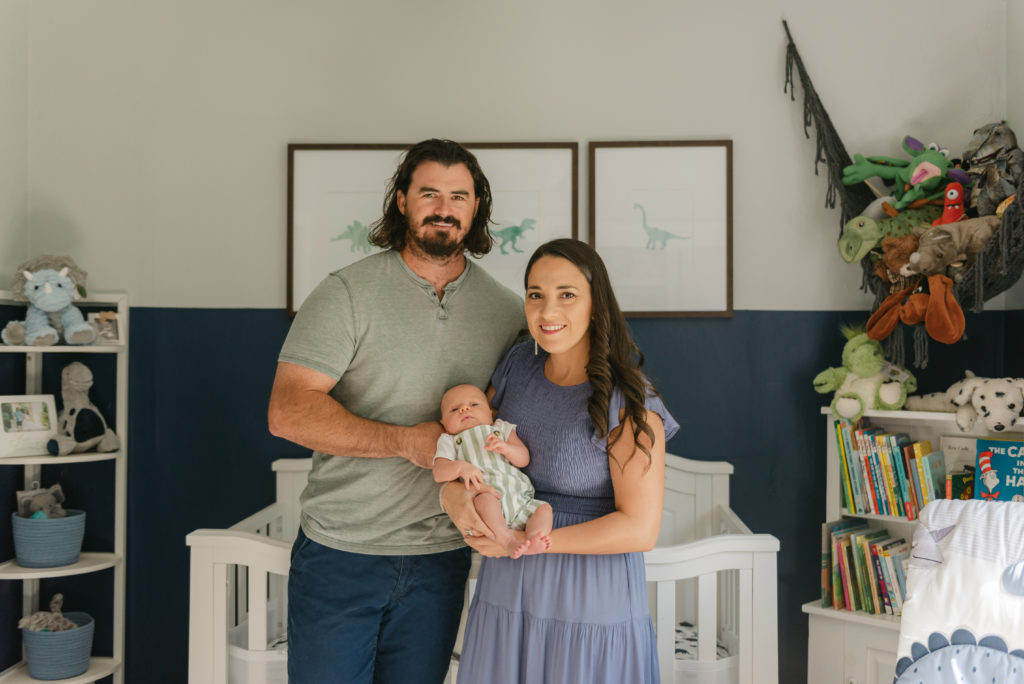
(708, 569)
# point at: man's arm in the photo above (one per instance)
(302, 411)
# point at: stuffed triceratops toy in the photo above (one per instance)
(50, 284)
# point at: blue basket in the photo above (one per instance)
(59, 655)
(48, 542)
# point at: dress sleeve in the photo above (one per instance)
(500, 377)
(653, 403)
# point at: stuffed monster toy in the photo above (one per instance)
(49, 284)
(865, 380)
(80, 426)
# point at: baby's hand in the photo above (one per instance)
(496, 443)
(472, 476)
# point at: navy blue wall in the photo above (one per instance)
(200, 452)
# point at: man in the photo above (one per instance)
(376, 584)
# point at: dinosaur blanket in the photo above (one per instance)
(965, 595)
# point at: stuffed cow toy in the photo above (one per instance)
(80, 426)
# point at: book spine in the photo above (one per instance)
(876, 476)
(844, 466)
(869, 570)
(853, 463)
(907, 451)
(896, 450)
(888, 474)
(883, 594)
(893, 584)
(919, 453)
(846, 602)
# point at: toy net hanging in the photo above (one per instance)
(996, 268)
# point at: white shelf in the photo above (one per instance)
(88, 561)
(98, 669)
(47, 459)
(891, 622)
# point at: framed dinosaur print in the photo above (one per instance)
(336, 193)
(661, 219)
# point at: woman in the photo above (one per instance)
(596, 431)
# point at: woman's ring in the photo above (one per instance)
(468, 533)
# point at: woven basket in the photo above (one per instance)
(59, 655)
(48, 542)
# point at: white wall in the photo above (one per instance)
(158, 130)
(13, 135)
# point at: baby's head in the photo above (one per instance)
(463, 407)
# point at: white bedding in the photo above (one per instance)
(964, 611)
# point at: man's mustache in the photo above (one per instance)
(442, 219)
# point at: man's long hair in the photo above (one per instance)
(391, 230)
(615, 360)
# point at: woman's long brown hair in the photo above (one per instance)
(615, 360)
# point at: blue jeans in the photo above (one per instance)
(359, 619)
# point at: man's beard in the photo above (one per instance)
(436, 243)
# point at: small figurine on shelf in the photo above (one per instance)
(39, 503)
(80, 425)
(50, 284)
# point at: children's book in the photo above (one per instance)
(921, 449)
(831, 584)
(910, 469)
(827, 530)
(999, 475)
(960, 451)
(876, 560)
(891, 601)
(896, 443)
(960, 485)
(935, 475)
(842, 596)
(849, 498)
(893, 554)
(865, 567)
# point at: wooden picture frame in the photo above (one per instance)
(661, 219)
(336, 192)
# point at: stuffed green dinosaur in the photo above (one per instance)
(923, 177)
(865, 380)
(861, 234)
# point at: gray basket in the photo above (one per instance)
(59, 655)
(48, 542)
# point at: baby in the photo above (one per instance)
(474, 448)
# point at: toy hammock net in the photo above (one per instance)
(996, 268)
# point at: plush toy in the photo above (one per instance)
(896, 253)
(999, 402)
(862, 234)
(950, 248)
(41, 503)
(931, 302)
(995, 164)
(49, 284)
(48, 621)
(945, 402)
(865, 380)
(952, 205)
(80, 426)
(924, 177)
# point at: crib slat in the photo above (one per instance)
(219, 643)
(666, 629)
(257, 609)
(707, 620)
(746, 628)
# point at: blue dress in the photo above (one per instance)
(560, 618)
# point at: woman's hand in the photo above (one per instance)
(457, 502)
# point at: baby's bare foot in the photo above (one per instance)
(538, 543)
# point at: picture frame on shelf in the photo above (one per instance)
(661, 219)
(336, 192)
(108, 327)
(27, 423)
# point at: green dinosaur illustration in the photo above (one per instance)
(512, 233)
(358, 234)
(656, 235)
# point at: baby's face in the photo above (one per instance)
(463, 407)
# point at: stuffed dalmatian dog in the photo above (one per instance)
(999, 402)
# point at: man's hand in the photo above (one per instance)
(457, 502)
(423, 443)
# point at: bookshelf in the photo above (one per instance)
(845, 646)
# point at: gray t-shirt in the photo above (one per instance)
(379, 329)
